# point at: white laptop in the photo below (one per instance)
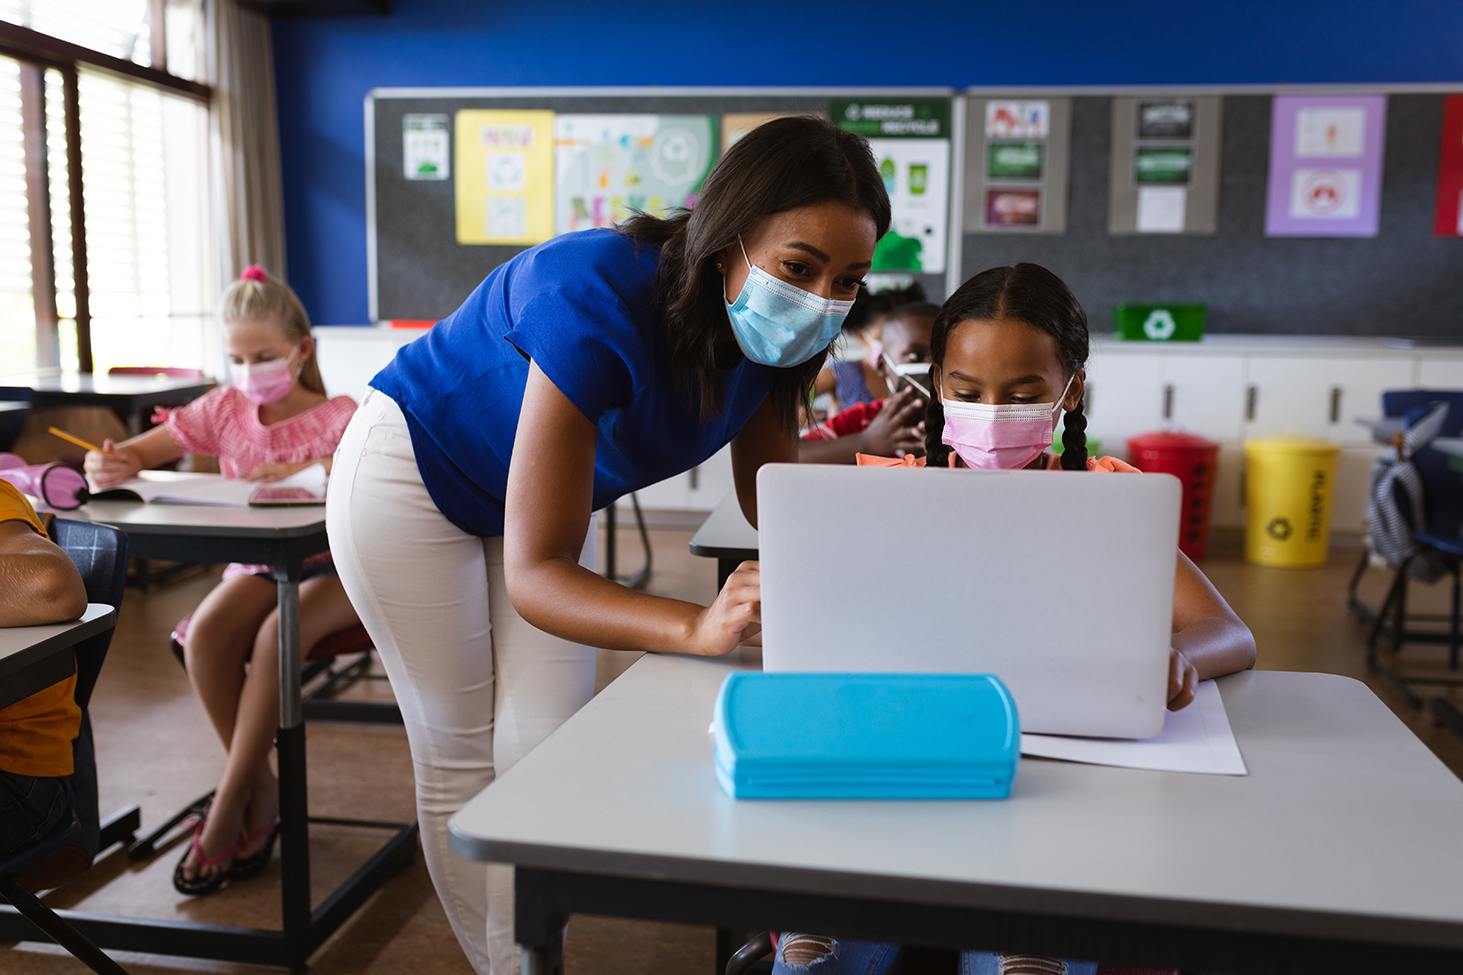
(1060, 583)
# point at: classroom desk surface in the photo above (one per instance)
(129, 394)
(1339, 850)
(33, 658)
(726, 536)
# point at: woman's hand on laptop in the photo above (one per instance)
(733, 619)
(1183, 681)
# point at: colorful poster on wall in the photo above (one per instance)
(505, 176)
(610, 166)
(734, 125)
(1164, 174)
(1016, 155)
(910, 139)
(1325, 165)
(1449, 208)
(426, 147)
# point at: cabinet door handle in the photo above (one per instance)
(1252, 400)
(1335, 404)
(1168, 402)
(695, 473)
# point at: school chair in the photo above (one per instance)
(1415, 515)
(325, 667)
(1395, 405)
(14, 408)
(65, 854)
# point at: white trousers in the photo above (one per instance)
(477, 685)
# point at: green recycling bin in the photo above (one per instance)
(1160, 323)
(1289, 482)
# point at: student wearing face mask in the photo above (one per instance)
(271, 421)
(894, 425)
(590, 366)
(1007, 353)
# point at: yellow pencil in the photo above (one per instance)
(76, 440)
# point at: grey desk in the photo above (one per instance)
(33, 658)
(1338, 853)
(726, 536)
(282, 538)
(129, 395)
(1452, 446)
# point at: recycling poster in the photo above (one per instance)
(1164, 173)
(910, 139)
(1016, 163)
(504, 184)
(1325, 165)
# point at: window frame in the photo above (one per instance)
(37, 52)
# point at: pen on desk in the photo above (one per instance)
(76, 440)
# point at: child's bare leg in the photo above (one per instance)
(249, 790)
(220, 639)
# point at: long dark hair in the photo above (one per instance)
(1031, 294)
(780, 165)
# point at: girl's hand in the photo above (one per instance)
(1183, 681)
(265, 473)
(111, 466)
(897, 429)
(734, 618)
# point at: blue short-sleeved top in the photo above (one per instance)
(582, 307)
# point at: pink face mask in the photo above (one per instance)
(265, 382)
(1003, 437)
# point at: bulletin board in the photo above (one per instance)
(423, 260)
(1402, 282)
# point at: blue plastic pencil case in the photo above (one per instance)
(865, 736)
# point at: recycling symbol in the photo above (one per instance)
(1279, 529)
(1159, 325)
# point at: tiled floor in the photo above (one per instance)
(156, 749)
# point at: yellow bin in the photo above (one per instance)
(1288, 487)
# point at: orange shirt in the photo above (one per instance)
(36, 733)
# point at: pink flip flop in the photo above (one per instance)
(201, 885)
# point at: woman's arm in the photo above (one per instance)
(761, 441)
(119, 462)
(1209, 640)
(550, 494)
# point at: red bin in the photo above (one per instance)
(1194, 461)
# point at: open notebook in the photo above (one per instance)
(172, 487)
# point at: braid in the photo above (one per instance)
(936, 453)
(1074, 440)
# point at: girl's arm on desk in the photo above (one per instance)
(116, 462)
(1209, 640)
(265, 473)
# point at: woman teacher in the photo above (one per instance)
(588, 367)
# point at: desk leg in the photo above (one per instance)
(724, 569)
(294, 829)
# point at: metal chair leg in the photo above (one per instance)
(1453, 624)
(56, 928)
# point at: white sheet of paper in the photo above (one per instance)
(1161, 209)
(213, 489)
(1196, 739)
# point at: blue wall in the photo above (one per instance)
(325, 66)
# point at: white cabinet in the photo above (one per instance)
(1124, 397)
(707, 483)
(1355, 387)
(1286, 395)
(1434, 371)
(1204, 394)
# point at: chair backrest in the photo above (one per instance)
(177, 372)
(1397, 403)
(100, 552)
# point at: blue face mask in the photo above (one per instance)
(779, 324)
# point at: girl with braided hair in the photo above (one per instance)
(1007, 355)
